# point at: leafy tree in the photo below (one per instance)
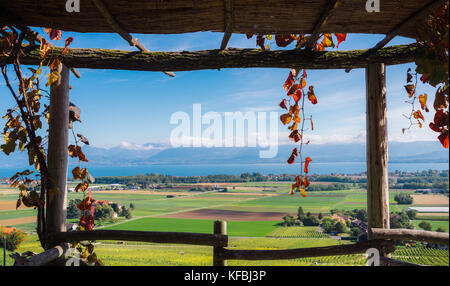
(441, 229)
(340, 227)
(289, 221)
(14, 238)
(403, 199)
(425, 225)
(132, 206)
(115, 207)
(360, 214)
(103, 213)
(355, 231)
(311, 221)
(72, 210)
(126, 213)
(400, 220)
(412, 214)
(300, 214)
(327, 224)
(320, 216)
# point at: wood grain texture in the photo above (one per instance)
(377, 147)
(410, 234)
(56, 213)
(185, 16)
(144, 236)
(382, 246)
(230, 58)
(220, 228)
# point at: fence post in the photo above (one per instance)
(220, 227)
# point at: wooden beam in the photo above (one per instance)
(385, 261)
(56, 213)
(120, 30)
(220, 228)
(315, 34)
(419, 15)
(214, 59)
(32, 36)
(144, 236)
(228, 23)
(377, 148)
(43, 258)
(410, 234)
(383, 246)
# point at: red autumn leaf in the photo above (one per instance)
(408, 75)
(298, 181)
(418, 115)
(423, 101)
(260, 41)
(312, 125)
(295, 135)
(294, 155)
(304, 74)
(306, 182)
(283, 104)
(424, 78)
(290, 80)
(87, 222)
(307, 160)
(68, 41)
(286, 118)
(319, 47)
(283, 40)
(311, 95)
(302, 82)
(340, 38)
(53, 33)
(249, 35)
(297, 95)
(443, 138)
(410, 89)
(292, 90)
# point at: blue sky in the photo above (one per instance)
(135, 107)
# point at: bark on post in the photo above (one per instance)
(57, 151)
(220, 227)
(377, 148)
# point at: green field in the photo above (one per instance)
(234, 228)
(298, 231)
(434, 224)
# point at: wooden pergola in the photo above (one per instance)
(396, 18)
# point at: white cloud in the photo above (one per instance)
(143, 147)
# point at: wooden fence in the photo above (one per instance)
(382, 240)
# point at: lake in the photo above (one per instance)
(235, 169)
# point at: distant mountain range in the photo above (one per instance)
(129, 154)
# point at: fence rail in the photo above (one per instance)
(410, 234)
(382, 240)
(217, 240)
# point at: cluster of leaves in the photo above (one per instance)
(294, 86)
(25, 120)
(432, 65)
(14, 237)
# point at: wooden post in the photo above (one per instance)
(377, 148)
(57, 152)
(220, 227)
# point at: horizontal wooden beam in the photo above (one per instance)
(382, 246)
(410, 234)
(144, 236)
(385, 261)
(230, 58)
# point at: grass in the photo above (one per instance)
(234, 228)
(434, 224)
